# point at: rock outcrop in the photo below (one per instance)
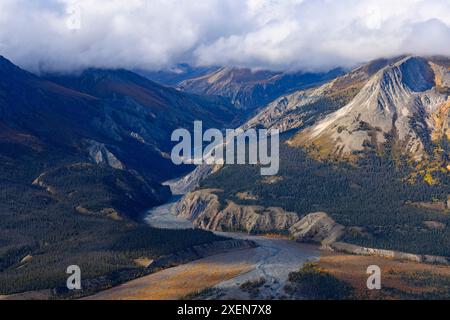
(198, 203)
(99, 154)
(316, 227)
(205, 210)
(192, 180)
(434, 225)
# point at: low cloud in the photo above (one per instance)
(275, 34)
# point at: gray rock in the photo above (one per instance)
(316, 227)
(204, 209)
(399, 98)
(100, 154)
(190, 181)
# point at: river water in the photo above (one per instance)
(273, 259)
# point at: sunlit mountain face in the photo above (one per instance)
(352, 96)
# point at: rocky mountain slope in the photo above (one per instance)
(176, 74)
(138, 115)
(404, 107)
(204, 209)
(82, 156)
(304, 107)
(390, 117)
(49, 130)
(108, 116)
(249, 89)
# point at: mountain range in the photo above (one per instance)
(405, 105)
(245, 88)
(370, 148)
(89, 150)
(395, 106)
(84, 153)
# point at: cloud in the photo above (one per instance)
(275, 34)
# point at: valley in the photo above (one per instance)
(366, 148)
(219, 276)
(84, 153)
(263, 272)
(224, 150)
(371, 200)
(363, 160)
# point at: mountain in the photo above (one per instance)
(370, 148)
(112, 118)
(173, 76)
(398, 106)
(304, 107)
(403, 108)
(82, 157)
(139, 115)
(248, 89)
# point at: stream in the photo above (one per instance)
(273, 259)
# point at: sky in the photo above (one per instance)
(310, 35)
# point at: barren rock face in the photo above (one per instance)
(100, 154)
(399, 101)
(316, 227)
(197, 204)
(204, 209)
(251, 89)
(304, 107)
(191, 181)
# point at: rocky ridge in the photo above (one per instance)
(204, 209)
(400, 105)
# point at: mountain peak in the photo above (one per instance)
(2, 59)
(396, 107)
(107, 82)
(14, 73)
(6, 64)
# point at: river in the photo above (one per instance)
(273, 259)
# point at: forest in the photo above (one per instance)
(43, 230)
(375, 194)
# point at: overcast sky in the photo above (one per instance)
(274, 34)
